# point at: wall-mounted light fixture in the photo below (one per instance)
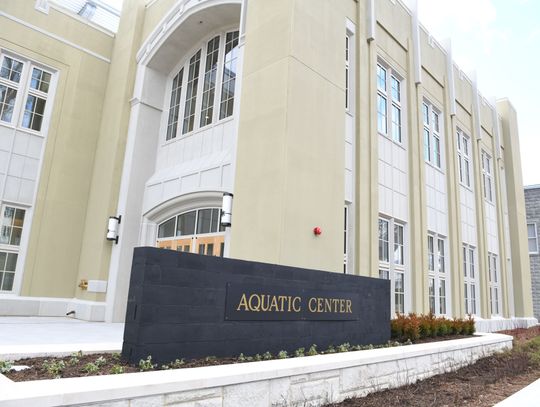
(226, 209)
(112, 228)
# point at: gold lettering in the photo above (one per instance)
(349, 306)
(309, 304)
(327, 305)
(273, 304)
(319, 304)
(263, 306)
(251, 306)
(243, 303)
(282, 299)
(294, 304)
(341, 306)
(289, 300)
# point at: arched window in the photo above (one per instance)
(196, 231)
(208, 74)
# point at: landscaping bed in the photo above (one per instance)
(406, 329)
(485, 383)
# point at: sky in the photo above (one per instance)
(500, 40)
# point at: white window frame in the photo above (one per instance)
(464, 159)
(392, 269)
(392, 104)
(438, 274)
(487, 177)
(169, 135)
(533, 238)
(14, 249)
(471, 280)
(494, 278)
(24, 91)
(432, 135)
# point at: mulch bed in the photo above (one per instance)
(483, 384)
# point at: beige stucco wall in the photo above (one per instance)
(290, 158)
(57, 229)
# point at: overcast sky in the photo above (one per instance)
(499, 39)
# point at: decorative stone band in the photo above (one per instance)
(315, 379)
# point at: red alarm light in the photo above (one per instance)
(317, 231)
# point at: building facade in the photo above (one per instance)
(532, 204)
(344, 115)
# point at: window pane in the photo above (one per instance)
(15, 239)
(440, 248)
(209, 86)
(11, 69)
(431, 254)
(11, 262)
(186, 224)
(427, 145)
(33, 112)
(166, 229)
(174, 105)
(471, 260)
(191, 92)
(396, 90)
(229, 75)
(7, 282)
(398, 244)
(40, 80)
(384, 274)
(431, 292)
(3, 256)
(467, 310)
(436, 122)
(442, 296)
(383, 240)
(381, 114)
(7, 102)
(425, 113)
(381, 78)
(204, 221)
(396, 123)
(465, 267)
(437, 151)
(19, 218)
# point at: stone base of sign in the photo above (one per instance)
(307, 381)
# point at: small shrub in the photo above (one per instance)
(54, 368)
(282, 354)
(257, 358)
(101, 361)
(145, 365)
(298, 353)
(117, 369)
(241, 358)
(210, 359)
(330, 349)
(5, 366)
(312, 351)
(116, 356)
(413, 327)
(178, 363)
(90, 368)
(344, 347)
(267, 356)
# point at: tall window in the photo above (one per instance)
(389, 107)
(494, 284)
(11, 227)
(464, 158)
(229, 75)
(24, 89)
(470, 279)
(197, 83)
(347, 69)
(191, 92)
(345, 239)
(210, 76)
(487, 176)
(392, 262)
(437, 288)
(533, 238)
(432, 134)
(174, 107)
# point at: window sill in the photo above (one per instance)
(197, 131)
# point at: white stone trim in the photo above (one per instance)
(315, 380)
(55, 37)
(502, 324)
(51, 307)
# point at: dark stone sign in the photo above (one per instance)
(183, 305)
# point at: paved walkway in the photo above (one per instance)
(47, 336)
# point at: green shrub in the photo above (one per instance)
(54, 368)
(117, 369)
(298, 353)
(90, 368)
(282, 354)
(5, 366)
(312, 351)
(145, 365)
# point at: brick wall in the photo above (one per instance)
(532, 204)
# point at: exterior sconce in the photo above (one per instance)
(317, 231)
(112, 228)
(226, 209)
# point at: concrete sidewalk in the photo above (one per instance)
(49, 336)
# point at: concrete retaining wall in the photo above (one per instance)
(313, 380)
